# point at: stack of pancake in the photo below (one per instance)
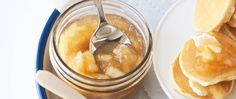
(205, 68)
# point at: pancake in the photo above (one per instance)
(232, 21)
(211, 62)
(229, 31)
(181, 84)
(210, 15)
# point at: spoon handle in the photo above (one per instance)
(57, 86)
(98, 4)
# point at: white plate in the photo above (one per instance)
(175, 28)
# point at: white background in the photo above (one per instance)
(21, 24)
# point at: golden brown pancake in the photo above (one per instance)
(210, 15)
(209, 67)
(181, 83)
(232, 21)
(229, 31)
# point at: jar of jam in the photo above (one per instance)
(114, 70)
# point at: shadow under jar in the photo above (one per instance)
(82, 16)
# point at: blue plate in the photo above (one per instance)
(41, 49)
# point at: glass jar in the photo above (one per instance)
(114, 88)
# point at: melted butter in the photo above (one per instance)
(206, 40)
(208, 46)
(221, 62)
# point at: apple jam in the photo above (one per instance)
(111, 60)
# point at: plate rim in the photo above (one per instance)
(41, 49)
(163, 18)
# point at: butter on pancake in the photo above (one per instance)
(209, 65)
(210, 15)
(207, 46)
(182, 85)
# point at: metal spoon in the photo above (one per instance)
(106, 32)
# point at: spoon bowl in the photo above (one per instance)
(106, 32)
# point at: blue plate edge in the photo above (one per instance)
(41, 47)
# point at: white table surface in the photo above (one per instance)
(22, 22)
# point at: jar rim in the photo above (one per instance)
(146, 56)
